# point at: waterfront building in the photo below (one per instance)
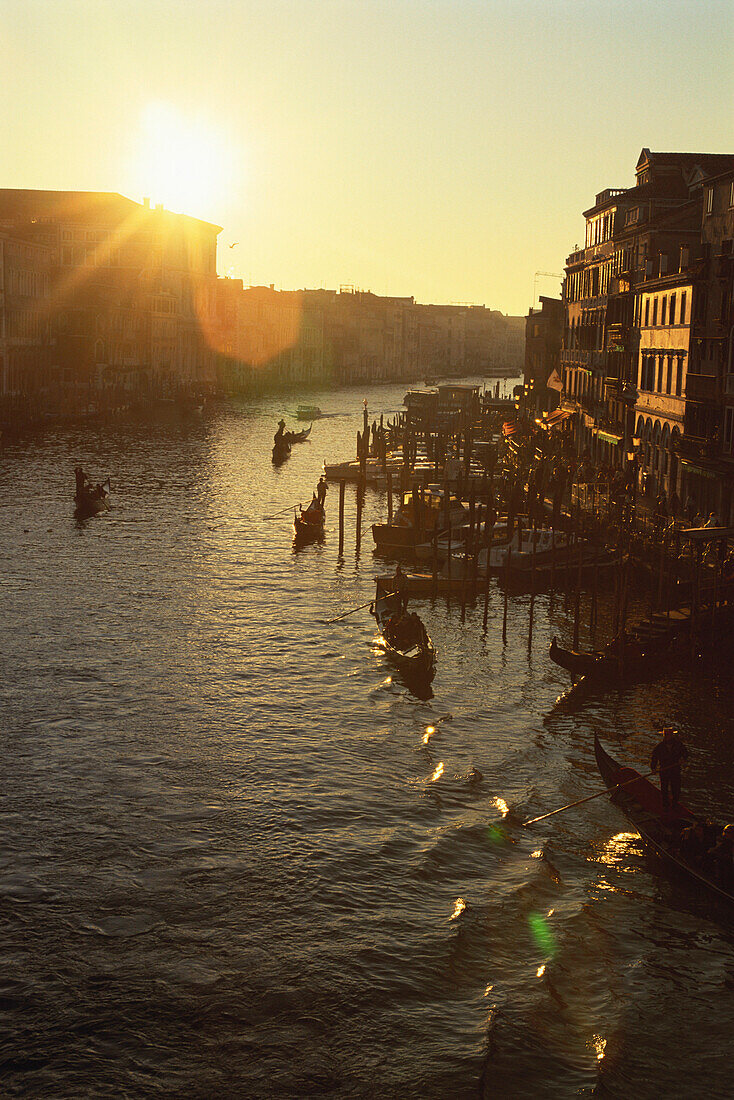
(131, 293)
(668, 390)
(25, 340)
(635, 237)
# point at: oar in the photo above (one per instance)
(281, 513)
(360, 608)
(591, 797)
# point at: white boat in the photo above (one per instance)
(547, 542)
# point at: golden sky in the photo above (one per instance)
(438, 148)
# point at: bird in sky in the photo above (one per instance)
(234, 244)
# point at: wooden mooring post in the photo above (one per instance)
(360, 505)
(534, 536)
(507, 586)
(389, 496)
(342, 486)
(486, 579)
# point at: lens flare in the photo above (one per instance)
(542, 934)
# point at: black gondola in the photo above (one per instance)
(281, 451)
(90, 500)
(297, 437)
(578, 663)
(309, 525)
(404, 637)
(641, 801)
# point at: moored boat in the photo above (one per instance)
(308, 412)
(576, 662)
(641, 802)
(404, 637)
(412, 526)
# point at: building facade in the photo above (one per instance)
(634, 358)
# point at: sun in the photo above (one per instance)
(181, 162)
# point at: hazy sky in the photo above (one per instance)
(440, 148)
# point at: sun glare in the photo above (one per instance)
(181, 162)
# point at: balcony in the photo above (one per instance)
(609, 194)
(701, 387)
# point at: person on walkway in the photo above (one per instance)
(668, 757)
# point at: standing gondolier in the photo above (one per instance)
(667, 758)
(321, 490)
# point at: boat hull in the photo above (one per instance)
(418, 662)
(641, 802)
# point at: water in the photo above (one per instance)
(234, 861)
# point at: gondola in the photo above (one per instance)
(308, 412)
(281, 451)
(297, 437)
(309, 525)
(406, 643)
(578, 663)
(91, 500)
(641, 802)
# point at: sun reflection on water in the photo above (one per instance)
(459, 907)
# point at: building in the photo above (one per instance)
(131, 293)
(543, 334)
(25, 339)
(649, 234)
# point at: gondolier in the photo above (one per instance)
(667, 758)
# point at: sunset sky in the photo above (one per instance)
(440, 148)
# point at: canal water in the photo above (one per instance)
(240, 859)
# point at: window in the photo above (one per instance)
(671, 316)
(682, 319)
(709, 200)
(654, 312)
(647, 312)
(669, 376)
(663, 309)
(679, 377)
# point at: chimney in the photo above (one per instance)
(159, 206)
(146, 202)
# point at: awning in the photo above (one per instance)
(691, 468)
(555, 418)
(610, 437)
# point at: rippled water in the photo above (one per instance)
(234, 862)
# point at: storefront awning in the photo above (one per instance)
(552, 420)
(691, 468)
(610, 437)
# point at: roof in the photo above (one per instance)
(711, 162)
(87, 206)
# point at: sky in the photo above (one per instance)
(444, 149)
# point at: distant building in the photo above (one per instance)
(131, 292)
(25, 339)
(543, 334)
